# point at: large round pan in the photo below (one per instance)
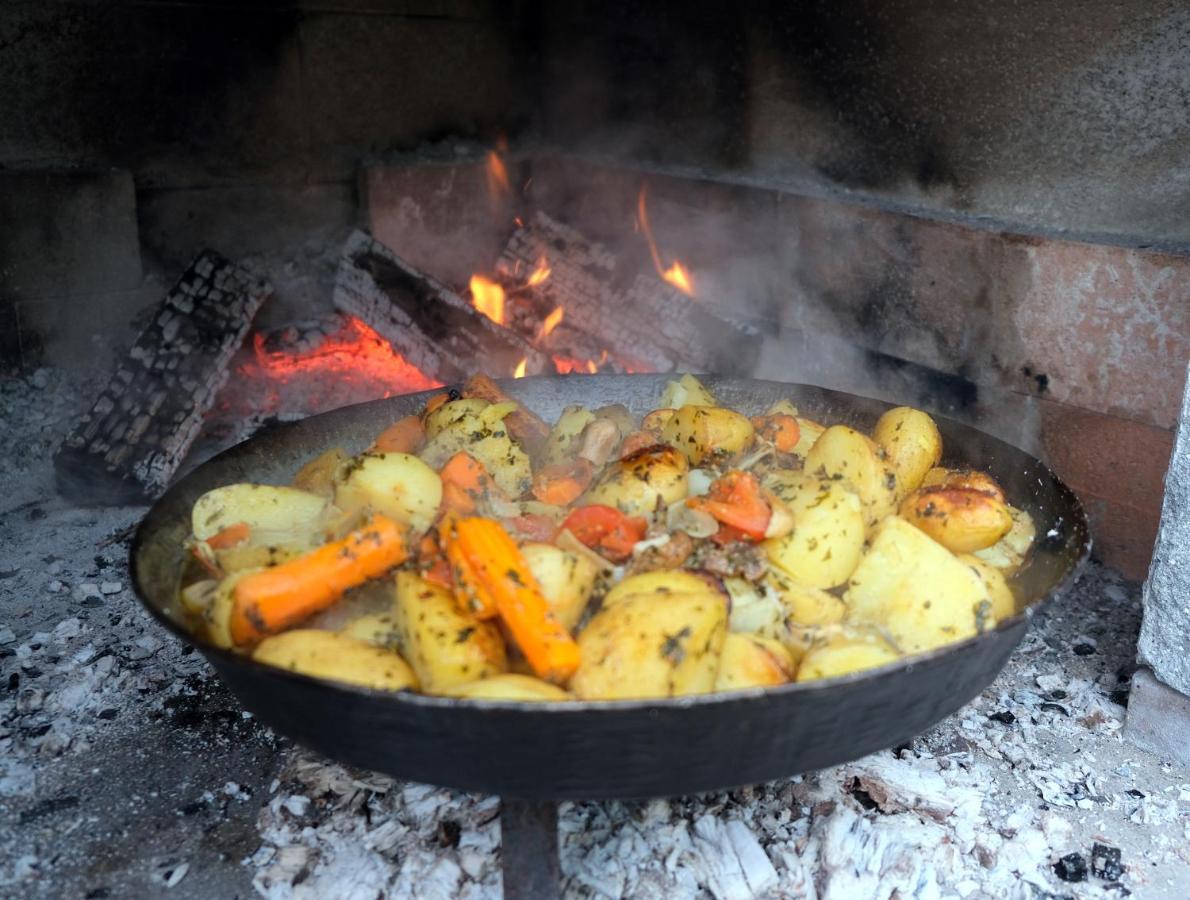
(615, 749)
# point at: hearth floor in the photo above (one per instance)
(127, 770)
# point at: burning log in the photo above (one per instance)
(127, 447)
(429, 324)
(647, 322)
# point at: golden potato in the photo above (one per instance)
(842, 452)
(1002, 602)
(523, 688)
(336, 657)
(274, 515)
(563, 443)
(915, 589)
(640, 481)
(262, 556)
(566, 579)
(828, 533)
(964, 478)
(444, 644)
(484, 436)
(217, 617)
(659, 581)
(450, 412)
(844, 652)
(960, 519)
(1009, 553)
(912, 444)
(640, 648)
(397, 485)
(748, 661)
(687, 391)
(809, 432)
(654, 422)
(378, 629)
(318, 476)
(707, 432)
(782, 408)
(755, 609)
(804, 605)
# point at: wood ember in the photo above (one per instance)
(129, 444)
(429, 324)
(640, 318)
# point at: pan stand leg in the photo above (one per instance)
(529, 850)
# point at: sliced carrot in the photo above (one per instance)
(549, 649)
(438, 400)
(471, 593)
(737, 500)
(272, 600)
(464, 483)
(781, 429)
(529, 430)
(563, 483)
(606, 530)
(404, 436)
(229, 537)
(432, 562)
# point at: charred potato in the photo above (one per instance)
(520, 688)
(274, 515)
(915, 589)
(1009, 553)
(964, 478)
(336, 657)
(640, 648)
(960, 519)
(641, 481)
(828, 533)
(844, 652)
(397, 485)
(318, 476)
(445, 645)
(707, 432)
(842, 452)
(912, 444)
(687, 391)
(566, 580)
(749, 661)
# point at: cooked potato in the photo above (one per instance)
(654, 422)
(687, 391)
(809, 432)
(844, 652)
(378, 629)
(828, 533)
(196, 598)
(915, 589)
(912, 444)
(640, 481)
(508, 687)
(449, 413)
(247, 556)
(217, 618)
(566, 580)
(318, 476)
(707, 432)
(804, 605)
(326, 654)
(1003, 603)
(1009, 553)
(964, 478)
(444, 644)
(748, 661)
(755, 609)
(960, 519)
(842, 452)
(563, 443)
(274, 515)
(660, 582)
(782, 408)
(641, 648)
(484, 436)
(397, 485)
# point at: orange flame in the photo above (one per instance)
(677, 274)
(552, 321)
(519, 371)
(488, 297)
(541, 273)
(497, 175)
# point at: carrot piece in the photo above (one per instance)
(529, 430)
(229, 537)
(438, 400)
(403, 436)
(563, 483)
(471, 593)
(534, 526)
(737, 500)
(550, 650)
(272, 600)
(464, 483)
(606, 530)
(781, 429)
(432, 562)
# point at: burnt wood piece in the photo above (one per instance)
(128, 445)
(429, 324)
(645, 321)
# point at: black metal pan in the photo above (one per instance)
(594, 750)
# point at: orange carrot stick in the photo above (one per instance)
(550, 650)
(563, 483)
(464, 483)
(471, 593)
(404, 436)
(228, 537)
(272, 600)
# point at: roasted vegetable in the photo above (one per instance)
(318, 476)
(485, 436)
(520, 688)
(273, 515)
(325, 654)
(396, 485)
(912, 444)
(842, 452)
(686, 391)
(707, 433)
(526, 428)
(606, 530)
(639, 484)
(844, 652)
(962, 520)
(1009, 553)
(562, 444)
(828, 533)
(749, 661)
(566, 580)
(404, 436)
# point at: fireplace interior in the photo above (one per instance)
(220, 216)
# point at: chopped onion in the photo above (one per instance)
(695, 522)
(699, 481)
(567, 541)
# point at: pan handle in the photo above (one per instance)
(529, 849)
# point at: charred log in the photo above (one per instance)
(130, 443)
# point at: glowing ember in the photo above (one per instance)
(519, 371)
(540, 274)
(677, 274)
(552, 321)
(497, 176)
(488, 298)
(355, 354)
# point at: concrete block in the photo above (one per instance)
(67, 234)
(1165, 632)
(1158, 718)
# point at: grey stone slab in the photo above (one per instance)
(1165, 633)
(1158, 718)
(67, 233)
